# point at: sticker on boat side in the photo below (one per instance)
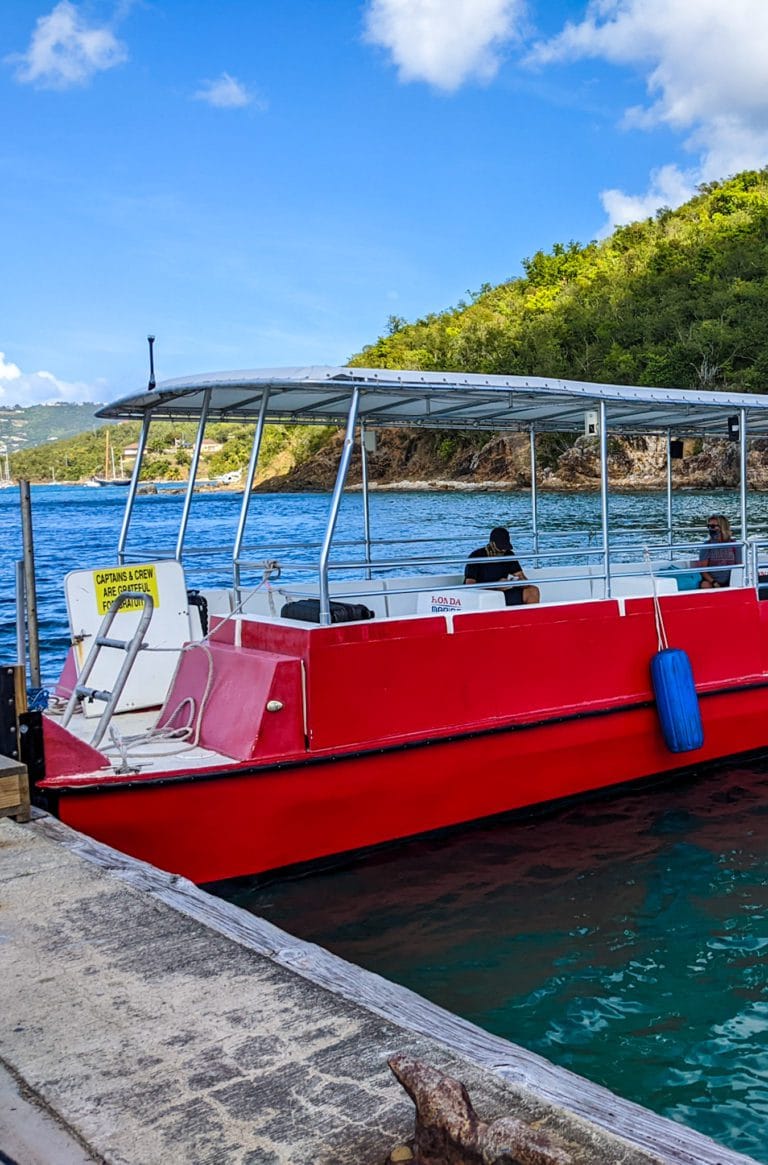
(443, 604)
(110, 583)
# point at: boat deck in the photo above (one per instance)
(149, 753)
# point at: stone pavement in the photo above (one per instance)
(143, 1036)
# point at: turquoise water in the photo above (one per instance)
(626, 939)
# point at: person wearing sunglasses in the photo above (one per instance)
(718, 551)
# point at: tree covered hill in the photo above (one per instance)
(679, 300)
(169, 451)
(21, 428)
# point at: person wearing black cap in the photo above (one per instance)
(486, 565)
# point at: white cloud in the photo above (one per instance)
(226, 93)
(669, 186)
(41, 388)
(65, 51)
(706, 72)
(444, 42)
(8, 371)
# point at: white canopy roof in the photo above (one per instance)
(440, 400)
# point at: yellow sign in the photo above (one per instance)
(115, 580)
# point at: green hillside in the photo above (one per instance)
(680, 300)
(21, 428)
(169, 451)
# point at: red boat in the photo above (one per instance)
(262, 740)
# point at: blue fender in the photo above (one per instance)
(677, 701)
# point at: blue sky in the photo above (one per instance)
(265, 182)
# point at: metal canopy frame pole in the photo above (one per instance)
(133, 487)
(743, 484)
(669, 487)
(249, 479)
(338, 490)
(603, 437)
(193, 473)
(366, 507)
(534, 494)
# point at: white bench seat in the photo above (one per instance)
(562, 584)
(402, 593)
(627, 585)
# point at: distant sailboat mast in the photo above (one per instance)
(110, 470)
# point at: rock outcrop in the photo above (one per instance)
(426, 459)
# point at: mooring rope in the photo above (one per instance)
(182, 738)
(661, 631)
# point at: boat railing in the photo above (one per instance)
(682, 556)
(573, 539)
(582, 542)
(636, 561)
(631, 553)
(757, 558)
(298, 567)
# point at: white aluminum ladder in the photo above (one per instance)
(131, 647)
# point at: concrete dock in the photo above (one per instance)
(146, 1022)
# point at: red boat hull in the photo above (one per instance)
(508, 709)
(208, 829)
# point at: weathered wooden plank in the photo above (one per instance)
(14, 789)
(10, 792)
(672, 1143)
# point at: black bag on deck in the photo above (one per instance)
(308, 610)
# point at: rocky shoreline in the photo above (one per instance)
(628, 486)
(417, 460)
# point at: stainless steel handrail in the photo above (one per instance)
(338, 490)
(131, 647)
(592, 556)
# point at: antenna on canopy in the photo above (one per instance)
(151, 385)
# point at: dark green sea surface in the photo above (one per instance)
(626, 939)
